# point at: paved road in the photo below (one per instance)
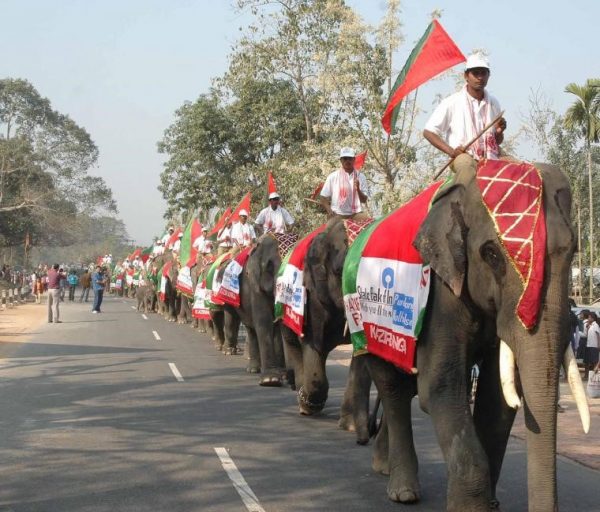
(93, 419)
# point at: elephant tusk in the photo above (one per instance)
(345, 328)
(572, 372)
(507, 376)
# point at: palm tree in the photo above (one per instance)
(583, 115)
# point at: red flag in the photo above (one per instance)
(220, 223)
(137, 252)
(317, 190)
(195, 232)
(243, 205)
(435, 52)
(359, 161)
(271, 184)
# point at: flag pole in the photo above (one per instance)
(470, 143)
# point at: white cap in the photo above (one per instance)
(476, 60)
(180, 235)
(244, 213)
(349, 152)
(273, 195)
(204, 228)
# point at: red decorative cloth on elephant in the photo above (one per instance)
(290, 294)
(164, 275)
(213, 284)
(512, 194)
(229, 291)
(285, 242)
(386, 285)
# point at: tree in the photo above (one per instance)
(584, 116)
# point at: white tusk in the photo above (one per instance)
(577, 390)
(507, 376)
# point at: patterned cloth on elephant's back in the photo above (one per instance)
(354, 228)
(512, 194)
(285, 242)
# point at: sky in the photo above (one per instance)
(120, 68)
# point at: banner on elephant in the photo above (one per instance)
(213, 284)
(229, 291)
(386, 285)
(290, 293)
(184, 281)
(199, 309)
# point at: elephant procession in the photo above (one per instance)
(405, 336)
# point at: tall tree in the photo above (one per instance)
(583, 115)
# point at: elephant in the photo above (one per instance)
(145, 297)
(470, 317)
(256, 312)
(323, 331)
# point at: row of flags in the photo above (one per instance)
(434, 53)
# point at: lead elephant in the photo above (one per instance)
(472, 301)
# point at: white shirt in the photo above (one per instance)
(459, 117)
(593, 335)
(177, 245)
(166, 237)
(339, 187)
(225, 238)
(199, 243)
(274, 220)
(243, 234)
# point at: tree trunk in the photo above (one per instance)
(589, 155)
(579, 252)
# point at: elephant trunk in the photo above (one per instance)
(539, 358)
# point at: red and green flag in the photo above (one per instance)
(359, 161)
(173, 239)
(187, 254)
(146, 253)
(220, 224)
(435, 52)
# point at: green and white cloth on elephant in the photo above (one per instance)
(386, 285)
(213, 284)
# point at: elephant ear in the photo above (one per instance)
(441, 239)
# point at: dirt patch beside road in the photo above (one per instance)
(17, 324)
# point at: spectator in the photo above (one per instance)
(73, 281)
(62, 283)
(39, 290)
(54, 295)
(86, 282)
(593, 342)
(98, 287)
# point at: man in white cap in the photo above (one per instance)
(345, 190)
(461, 116)
(158, 248)
(274, 218)
(224, 239)
(168, 235)
(242, 233)
(198, 244)
(177, 243)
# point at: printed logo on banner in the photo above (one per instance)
(403, 310)
(387, 278)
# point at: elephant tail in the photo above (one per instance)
(373, 425)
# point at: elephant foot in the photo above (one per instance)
(253, 369)
(403, 490)
(218, 347)
(290, 377)
(271, 382)
(380, 465)
(494, 504)
(308, 407)
(346, 422)
(232, 351)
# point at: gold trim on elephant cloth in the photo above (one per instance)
(512, 195)
(354, 227)
(285, 242)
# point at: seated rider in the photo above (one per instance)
(462, 115)
(274, 218)
(345, 190)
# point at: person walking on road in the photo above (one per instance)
(54, 294)
(98, 287)
(62, 283)
(73, 281)
(86, 282)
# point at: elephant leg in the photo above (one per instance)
(493, 418)
(218, 330)
(397, 390)
(294, 361)
(381, 449)
(313, 392)
(231, 329)
(253, 352)
(271, 357)
(354, 413)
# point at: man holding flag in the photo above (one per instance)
(461, 116)
(345, 190)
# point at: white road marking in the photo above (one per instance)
(176, 372)
(243, 489)
(124, 302)
(133, 307)
(144, 317)
(156, 336)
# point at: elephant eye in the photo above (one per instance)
(491, 254)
